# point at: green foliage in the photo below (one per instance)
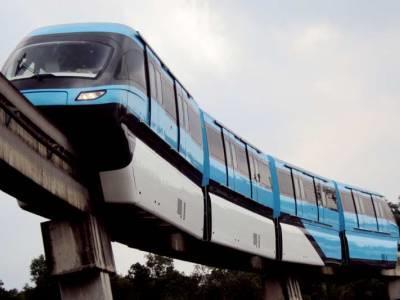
(158, 279)
(39, 272)
(226, 284)
(44, 287)
(8, 295)
(363, 289)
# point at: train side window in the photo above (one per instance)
(358, 203)
(382, 209)
(347, 202)
(136, 69)
(181, 112)
(229, 156)
(298, 187)
(265, 175)
(308, 189)
(152, 77)
(330, 196)
(253, 169)
(182, 105)
(368, 206)
(320, 193)
(378, 207)
(387, 212)
(194, 125)
(242, 160)
(215, 146)
(168, 96)
(185, 108)
(257, 169)
(159, 97)
(285, 182)
(234, 157)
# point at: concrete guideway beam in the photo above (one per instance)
(79, 255)
(25, 108)
(39, 161)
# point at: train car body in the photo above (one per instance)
(155, 148)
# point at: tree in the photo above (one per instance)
(45, 286)
(39, 272)
(156, 279)
(123, 288)
(159, 265)
(228, 284)
(7, 295)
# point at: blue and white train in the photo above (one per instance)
(156, 149)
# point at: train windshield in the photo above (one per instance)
(58, 59)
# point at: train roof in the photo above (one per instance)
(329, 180)
(86, 27)
(358, 189)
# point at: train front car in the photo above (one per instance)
(100, 83)
(76, 74)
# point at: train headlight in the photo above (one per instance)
(92, 95)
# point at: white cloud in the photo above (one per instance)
(313, 38)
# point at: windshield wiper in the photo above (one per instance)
(22, 65)
(40, 76)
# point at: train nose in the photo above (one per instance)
(47, 97)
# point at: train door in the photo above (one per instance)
(163, 104)
(231, 162)
(237, 166)
(327, 202)
(287, 199)
(350, 217)
(194, 140)
(365, 211)
(321, 199)
(261, 181)
(298, 192)
(305, 196)
(242, 173)
(255, 175)
(156, 96)
(183, 121)
(217, 168)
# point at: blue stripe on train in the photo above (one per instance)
(371, 246)
(86, 27)
(327, 239)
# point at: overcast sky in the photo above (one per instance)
(311, 82)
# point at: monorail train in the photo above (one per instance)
(156, 149)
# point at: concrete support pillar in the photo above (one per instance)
(79, 254)
(273, 289)
(394, 289)
(277, 288)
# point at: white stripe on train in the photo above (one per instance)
(154, 185)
